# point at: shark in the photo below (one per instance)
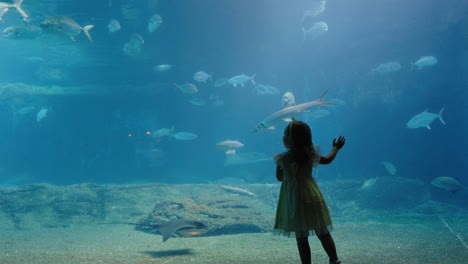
(288, 112)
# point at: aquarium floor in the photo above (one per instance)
(399, 239)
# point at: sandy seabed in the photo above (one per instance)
(397, 239)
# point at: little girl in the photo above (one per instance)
(301, 207)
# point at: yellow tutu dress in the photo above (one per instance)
(302, 210)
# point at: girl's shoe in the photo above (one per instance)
(335, 262)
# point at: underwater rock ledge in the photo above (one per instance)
(226, 212)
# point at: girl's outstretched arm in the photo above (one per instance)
(337, 145)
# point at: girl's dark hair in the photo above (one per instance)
(299, 139)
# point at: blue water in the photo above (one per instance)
(101, 137)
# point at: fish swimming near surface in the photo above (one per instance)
(163, 132)
(184, 136)
(113, 25)
(425, 61)
(63, 25)
(221, 82)
(388, 67)
(187, 88)
(289, 112)
(316, 9)
(175, 226)
(425, 119)
(154, 23)
(5, 7)
(229, 146)
(197, 101)
(262, 89)
(237, 190)
(41, 114)
(22, 31)
(241, 80)
(315, 31)
(287, 100)
(448, 184)
(133, 46)
(202, 76)
(162, 67)
(389, 167)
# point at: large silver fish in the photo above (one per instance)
(65, 26)
(289, 112)
(425, 119)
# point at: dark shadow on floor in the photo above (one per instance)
(169, 253)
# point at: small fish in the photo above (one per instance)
(202, 76)
(41, 114)
(368, 184)
(25, 110)
(425, 61)
(198, 101)
(184, 136)
(287, 100)
(35, 59)
(241, 80)
(288, 112)
(65, 26)
(448, 184)
(237, 190)
(22, 31)
(316, 9)
(315, 31)
(187, 88)
(162, 67)
(229, 146)
(163, 132)
(133, 47)
(388, 67)
(5, 7)
(424, 119)
(113, 25)
(154, 23)
(389, 167)
(261, 89)
(221, 82)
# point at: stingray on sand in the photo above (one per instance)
(175, 226)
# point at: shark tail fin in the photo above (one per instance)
(86, 30)
(440, 115)
(323, 102)
(17, 5)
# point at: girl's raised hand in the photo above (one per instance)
(340, 143)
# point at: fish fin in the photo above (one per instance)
(252, 79)
(271, 127)
(323, 96)
(72, 38)
(428, 127)
(17, 5)
(86, 31)
(287, 119)
(440, 115)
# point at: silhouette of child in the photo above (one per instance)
(301, 207)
